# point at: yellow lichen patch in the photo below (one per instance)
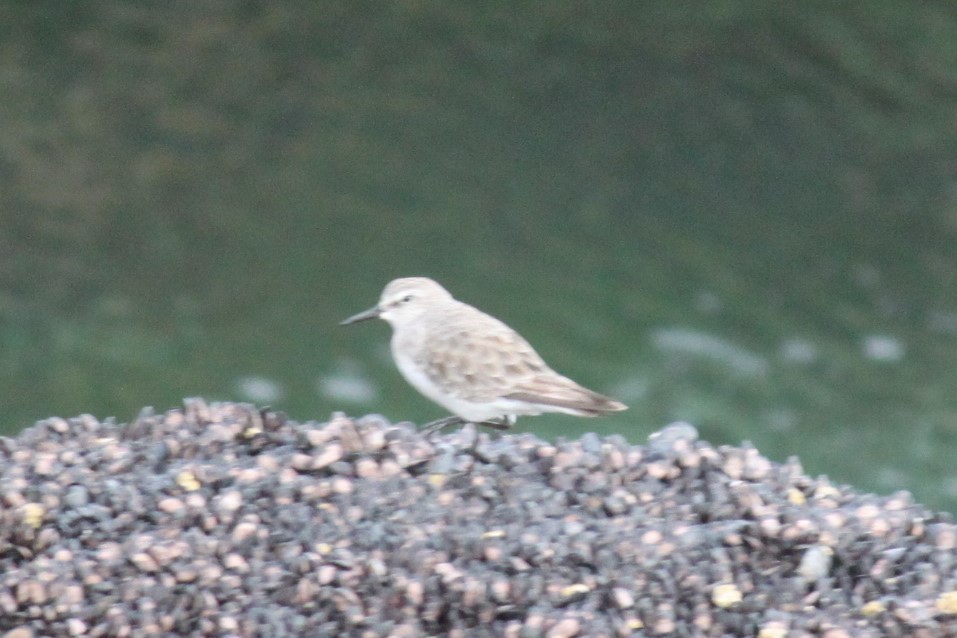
(32, 514)
(188, 481)
(635, 624)
(873, 608)
(252, 431)
(773, 630)
(826, 491)
(724, 596)
(494, 533)
(796, 496)
(946, 603)
(575, 590)
(437, 480)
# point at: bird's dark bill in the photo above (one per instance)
(371, 313)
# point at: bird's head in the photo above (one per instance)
(404, 301)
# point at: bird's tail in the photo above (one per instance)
(567, 396)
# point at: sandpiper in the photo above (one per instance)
(471, 363)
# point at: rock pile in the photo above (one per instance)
(225, 520)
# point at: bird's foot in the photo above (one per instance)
(441, 424)
(496, 424)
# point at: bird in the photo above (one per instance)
(472, 364)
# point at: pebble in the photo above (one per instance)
(222, 519)
(565, 628)
(623, 598)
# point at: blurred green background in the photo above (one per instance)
(743, 216)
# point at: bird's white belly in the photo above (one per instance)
(468, 410)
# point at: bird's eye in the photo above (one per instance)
(407, 299)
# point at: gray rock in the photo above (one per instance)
(221, 519)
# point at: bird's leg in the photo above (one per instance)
(441, 424)
(497, 424)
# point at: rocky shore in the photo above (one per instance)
(227, 520)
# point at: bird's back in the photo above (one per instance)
(472, 356)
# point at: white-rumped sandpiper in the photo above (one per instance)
(471, 363)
